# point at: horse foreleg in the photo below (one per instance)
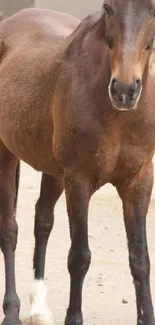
(77, 197)
(136, 198)
(8, 234)
(51, 189)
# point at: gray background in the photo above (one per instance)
(78, 8)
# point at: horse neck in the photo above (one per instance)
(98, 66)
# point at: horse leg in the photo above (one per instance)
(8, 234)
(51, 189)
(77, 197)
(16, 186)
(136, 198)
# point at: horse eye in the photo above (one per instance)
(109, 40)
(110, 43)
(108, 9)
(150, 44)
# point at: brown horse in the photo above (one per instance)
(82, 112)
(35, 33)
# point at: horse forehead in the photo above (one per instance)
(133, 18)
(121, 4)
(134, 22)
(133, 15)
(137, 10)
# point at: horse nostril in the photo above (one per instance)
(134, 89)
(114, 83)
(138, 83)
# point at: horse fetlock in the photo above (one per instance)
(146, 321)
(43, 318)
(74, 318)
(11, 307)
(40, 314)
(11, 320)
(11, 304)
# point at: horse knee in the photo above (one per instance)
(43, 228)
(11, 300)
(8, 234)
(140, 267)
(43, 221)
(79, 261)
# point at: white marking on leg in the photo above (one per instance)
(40, 314)
(141, 311)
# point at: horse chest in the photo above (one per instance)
(120, 156)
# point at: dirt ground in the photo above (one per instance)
(108, 281)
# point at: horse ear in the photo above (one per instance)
(107, 9)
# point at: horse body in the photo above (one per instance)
(31, 102)
(80, 110)
(26, 90)
(28, 42)
(112, 142)
(112, 139)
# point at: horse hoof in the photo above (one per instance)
(9, 320)
(75, 319)
(43, 317)
(40, 314)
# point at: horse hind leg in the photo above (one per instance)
(8, 234)
(51, 189)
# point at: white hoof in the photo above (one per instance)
(41, 318)
(40, 314)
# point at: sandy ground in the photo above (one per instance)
(108, 281)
